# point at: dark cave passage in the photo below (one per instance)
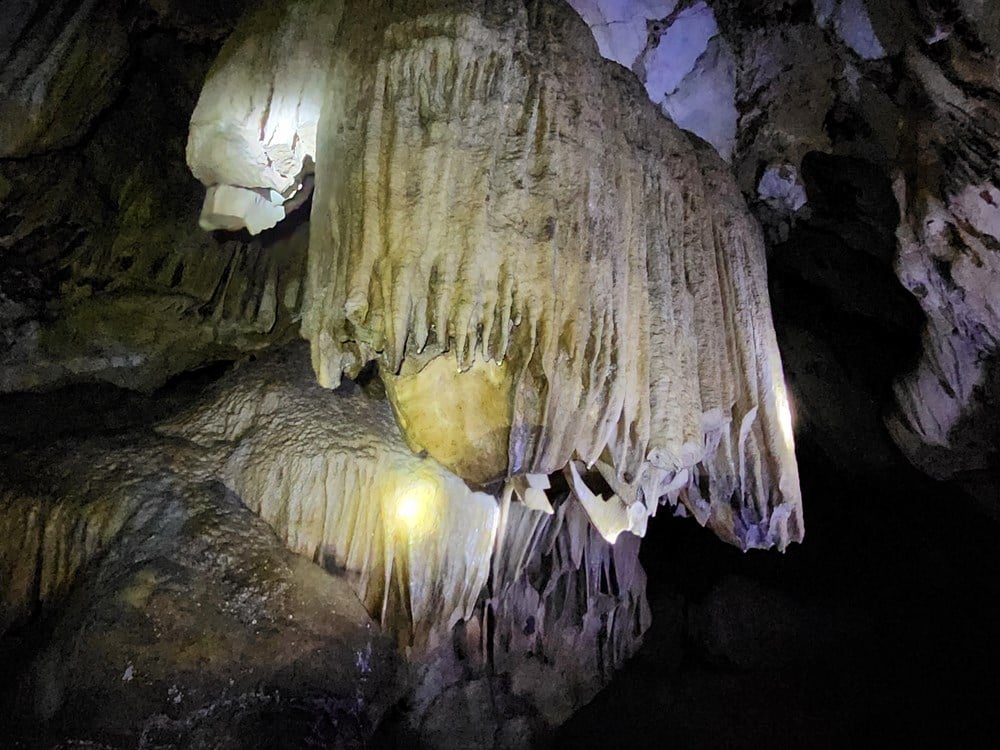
(879, 630)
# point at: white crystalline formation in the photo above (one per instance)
(490, 191)
(253, 132)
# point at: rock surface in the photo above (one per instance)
(333, 477)
(53, 87)
(912, 92)
(170, 615)
(104, 274)
(204, 618)
(583, 253)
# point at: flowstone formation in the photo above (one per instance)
(536, 309)
(510, 618)
(334, 479)
(867, 143)
(143, 605)
(500, 216)
(543, 599)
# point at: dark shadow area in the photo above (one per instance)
(879, 630)
(28, 419)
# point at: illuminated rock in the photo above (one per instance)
(333, 477)
(488, 189)
(254, 130)
(170, 607)
(459, 417)
(105, 273)
(676, 50)
(153, 537)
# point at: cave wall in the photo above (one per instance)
(863, 136)
(865, 141)
(105, 273)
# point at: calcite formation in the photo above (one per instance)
(947, 411)
(494, 202)
(567, 607)
(169, 607)
(331, 474)
(253, 133)
(149, 532)
(105, 274)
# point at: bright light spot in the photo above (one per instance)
(784, 414)
(414, 506)
(409, 510)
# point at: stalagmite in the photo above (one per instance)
(498, 207)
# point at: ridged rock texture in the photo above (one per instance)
(104, 273)
(171, 615)
(567, 608)
(332, 476)
(867, 143)
(45, 53)
(151, 529)
(489, 191)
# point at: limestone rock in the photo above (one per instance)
(59, 68)
(487, 189)
(468, 431)
(333, 477)
(675, 49)
(173, 615)
(570, 608)
(104, 273)
(254, 131)
(151, 536)
(949, 257)
(909, 90)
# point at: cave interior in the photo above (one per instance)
(499, 373)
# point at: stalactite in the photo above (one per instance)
(567, 608)
(490, 193)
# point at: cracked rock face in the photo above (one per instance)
(676, 50)
(586, 268)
